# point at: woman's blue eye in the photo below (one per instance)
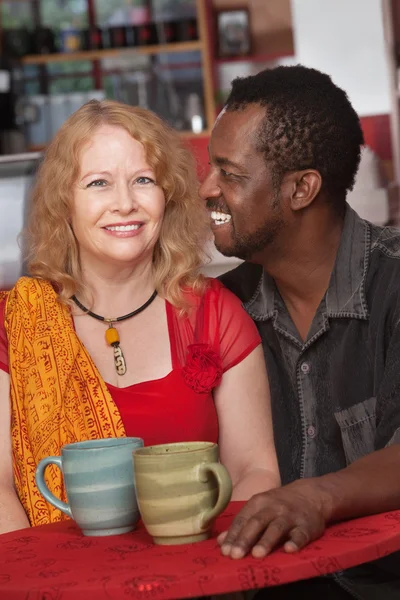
(97, 183)
(144, 180)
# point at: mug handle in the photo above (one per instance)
(44, 490)
(224, 490)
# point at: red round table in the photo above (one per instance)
(56, 562)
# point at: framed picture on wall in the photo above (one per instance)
(233, 33)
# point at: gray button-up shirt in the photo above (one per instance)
(336, 395)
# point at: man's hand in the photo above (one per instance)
(294, 515)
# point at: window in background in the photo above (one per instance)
(16, 14)
(168, 10)
(68, 85)
(180, 90)
(67, 77)
(179, 75)
(70, 77)
(169, 84)
(121, 12)
(59, 14)
(31, 80)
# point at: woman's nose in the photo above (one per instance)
(125, 201)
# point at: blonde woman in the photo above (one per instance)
(116, 333)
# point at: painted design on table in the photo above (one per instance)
(59, 564)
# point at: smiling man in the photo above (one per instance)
(243, 218)
(323, 287)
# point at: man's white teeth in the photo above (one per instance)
(220, 218)
(123, 228)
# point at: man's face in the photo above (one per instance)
(245, 208)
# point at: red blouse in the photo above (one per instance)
(180, 406)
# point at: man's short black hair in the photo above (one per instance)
(309, 123)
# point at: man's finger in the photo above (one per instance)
(251, 508)
(276, 532)
(290, 547)
(244, 538)
(221, 537)
(231, 535)
(303, 534)
(299, 537)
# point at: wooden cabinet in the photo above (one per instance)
(168, 59)
(271, 34)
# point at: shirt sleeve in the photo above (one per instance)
(3, 339)
(238, 335)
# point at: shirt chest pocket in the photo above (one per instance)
(357, 427)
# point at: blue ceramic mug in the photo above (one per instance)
(99, 482)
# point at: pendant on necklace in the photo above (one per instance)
(112, 339)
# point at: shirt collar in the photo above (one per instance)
(345, 296)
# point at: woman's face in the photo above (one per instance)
(118, 208)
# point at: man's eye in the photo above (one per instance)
(97, 183)
(226, 173)
(144, 180)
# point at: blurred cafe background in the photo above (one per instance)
(178, 57)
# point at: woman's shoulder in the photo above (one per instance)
(28, 289)
(224, 295)
(214, 284)
(211, 295)
(33, 285)
(213, 292)
(208, 287)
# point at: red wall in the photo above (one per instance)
(377, 135)
(199, 148)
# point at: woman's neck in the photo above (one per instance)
(117, 291)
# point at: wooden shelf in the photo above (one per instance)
(202, 46)
(41, 59)
(255, 58)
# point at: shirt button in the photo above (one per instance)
(305, 367)
(311, 431)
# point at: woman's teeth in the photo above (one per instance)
(122, 227)
(220, 218)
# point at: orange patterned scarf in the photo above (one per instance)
(57, 393)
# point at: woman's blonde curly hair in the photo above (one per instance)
(51, 247)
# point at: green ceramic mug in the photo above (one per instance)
(180, 488)
(99, 482)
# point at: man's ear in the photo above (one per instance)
(304, 187)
